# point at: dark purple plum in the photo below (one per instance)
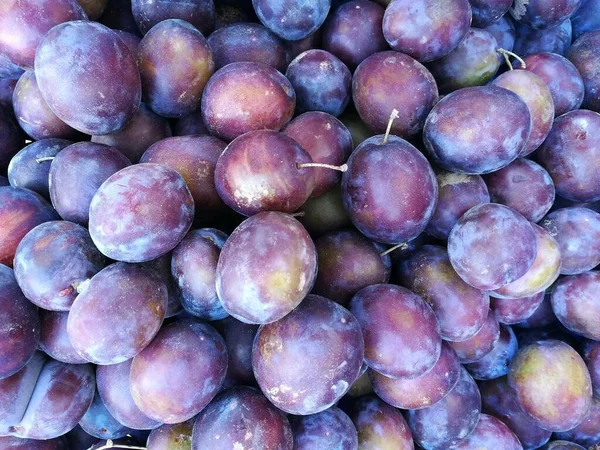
(380, 426)
(562, 445)
(556, 39)
(21, 210)
(194, 268)
(490, 433)
(500, 401)
(524, 186)
(462, 135)
(576, 304)
(511, 311)
(569, 155)
(75, 175)
(34, 115)
(167, 437)
(453, 418)
(389, 190)
(88, 77)
(246, 96)
(488, 12)
(321, 81)
(199, 13)
(113, 387)
(98, 422)
(401, 333)
(54, 339)
(306, 362)
(584, 55)
(348, 262)
(62, 395)
(503, 31)
(422, 391)
(552, 384)
(266, 268)
(192, 353)
(472, 63)
(426, 29)
(242, 417)
(117, 313)
(190, 125)
(561, 77)
(391, 80)
(249, 42)
(577, 231)
(7, 88)
(19, 329)
(175, 63)
(263, 171)
(331, 429)
(460, 309)
(587, 433)
(591, 355)
(457, 193)
(15, 443)
(536, 95)
(144, 129)
(162, 267)
(194, 158)
(11, 136)
(492, 246)
(292, 20)
(542, 14)
(93, 8)
(141, 213)
(327, 140)
(354, 32)
(29, 168)
(24, 24)
(586, 18)
(543, 272)
(239, 337)
(482, 343)
(118, 16)
(325, 213)
(496, 363)
(40, 263)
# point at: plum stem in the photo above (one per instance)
(341, 168)
(391, 249)
(298, 214)
(393, 115)
(111, 444)
(45, 158)
(507, 55)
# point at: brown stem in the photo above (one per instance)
(507, 55)
(111, 444)
(391, 249)
(393, 115)
(341, 168)
(45, 158)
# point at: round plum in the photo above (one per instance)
(292, 20)
(98, 422)
(556, 39)
(587, 433)
(490, 433)
(54, 339)
(199, 13)
(586, 18)
(540, 14)
(503, 31)
(584, 55)
(482, 343)
(239, 337)
(496, 363)
(331, 429)
(489, 12)
(511, 311)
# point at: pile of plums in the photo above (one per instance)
(300, 224)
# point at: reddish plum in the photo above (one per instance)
(199, 13)
(584, 55)
(587, 433)
(482, 343)
(489, 434)
(514, 310)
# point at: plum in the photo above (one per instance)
(541, 14)
(391, 80)
(249, 42)
(33, 113)
(21, 210)
(24, 24)
(20, 326)
(562, 445)
(482, 343)
(490, 433)
(451, 419)
(141, 213)
(426, 29)
(188, 351)
(292, 20)
(591, 355)
(584, 55)
(496, 363)
(30, 167)
(514, 310)
(422, 391)
(503, 31)
(331, 429)
(354, 32)
(239, 337)
(486, 12)
(167, 436)
(11, 136)
(132, 41)
(389, 190)
(246, 96)
(98, 422)
(144, 129)
(569, 154)
(472, 63)
(199, 13)
(325, 213)
(586, 18)
(556, 39)
(587, 433)
(88, 77)
(462, 136)
(54, 339)
(348, 262)
(162, 267)
(242, 417)
(75, 175)
(40, 268)
(552, 384)
(327, 140)
(401, 333)
(561, 77)
(294, 48)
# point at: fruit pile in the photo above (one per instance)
(300, 224)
